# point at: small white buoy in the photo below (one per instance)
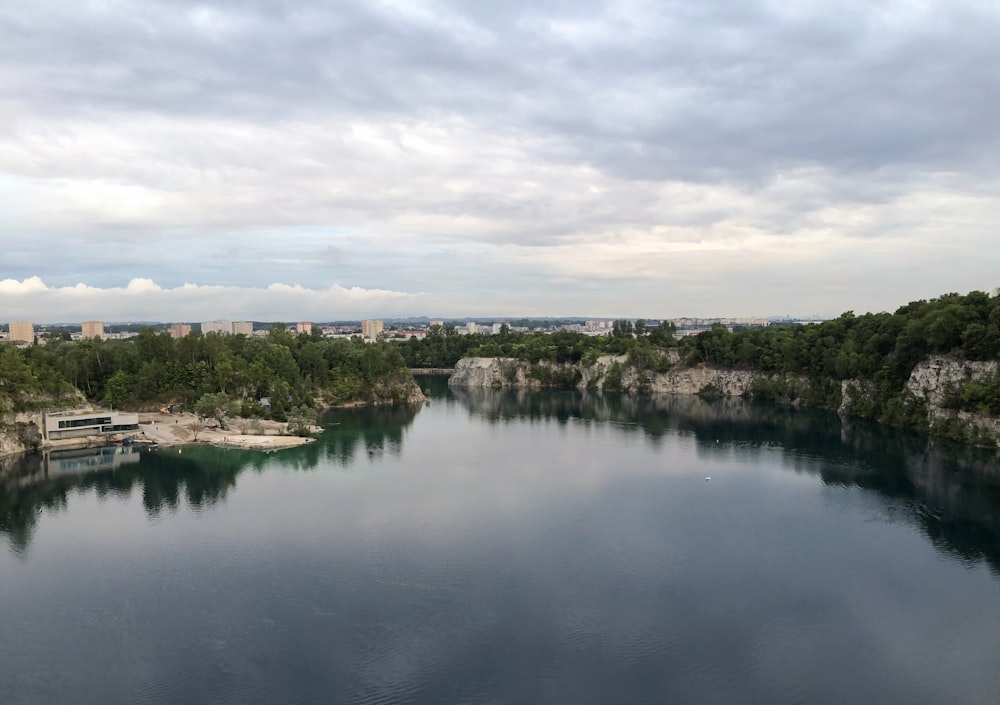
(707, 479)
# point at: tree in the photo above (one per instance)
(212, 406)
(117, 392)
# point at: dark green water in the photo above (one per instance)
(504, 548)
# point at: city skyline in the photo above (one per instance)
(619, 158)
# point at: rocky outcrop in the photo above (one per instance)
(931, 381)
(20, 432)
(932, 378)
(494, 373)
(399, 388)
(608, 372)
(926, 389)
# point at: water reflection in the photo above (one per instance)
(200, 476)
(950, 491)
(376, 429)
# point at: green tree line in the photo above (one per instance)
(153, 369)
(878, 349)
(443, 347)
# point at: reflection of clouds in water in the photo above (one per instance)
(949, 490)
(572, 445)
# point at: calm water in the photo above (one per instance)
(504, 548)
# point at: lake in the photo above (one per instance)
(510, 547)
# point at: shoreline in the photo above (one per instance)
(184, 429)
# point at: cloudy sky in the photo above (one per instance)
(292, 159)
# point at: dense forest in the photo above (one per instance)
(153, 369)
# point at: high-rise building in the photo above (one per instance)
(22, 332)
(303, 327)
(471, 327)
(221, 326)
(92, 329)
(242, 328)
(179, 330)
(370, 329)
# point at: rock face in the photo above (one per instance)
(17, 430)
(931, 380)
(611, 372)
(492, 373)
(928, 384)
(398, 389)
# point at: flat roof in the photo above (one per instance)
(81, 412)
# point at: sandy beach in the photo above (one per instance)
(184, 428)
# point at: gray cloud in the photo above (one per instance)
(438, 145)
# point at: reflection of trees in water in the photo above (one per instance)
(31, 483)
(200, 476)
(377, 429)
(950, 491)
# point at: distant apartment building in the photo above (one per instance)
(370, 329)
(22, 332)
(179, 330)
(221, 326)
(496, 328)
(242, 327)
(471, 327)
(436, 323)
(303, 327)
(92, 329)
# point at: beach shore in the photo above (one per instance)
(183, 428)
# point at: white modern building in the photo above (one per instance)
(81, 423)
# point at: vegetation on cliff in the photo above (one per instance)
(879, 350)
(876, 352)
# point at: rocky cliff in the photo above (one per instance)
(608, 372)
(925, 391)
(930, 382)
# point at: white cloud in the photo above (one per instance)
(144, 300)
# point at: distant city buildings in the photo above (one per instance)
(436, 323)
(92, 329)
(179, 330)
(224, 327)
(22, 332)
(471, 327)
(370, 329)
(303, 327)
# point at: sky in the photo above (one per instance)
(317, 160)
